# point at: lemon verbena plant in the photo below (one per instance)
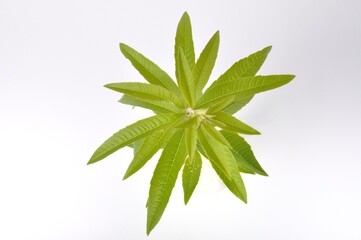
(189, 123)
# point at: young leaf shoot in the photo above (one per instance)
(190, 125)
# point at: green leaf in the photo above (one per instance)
(238, 105)
(224, 164)
(210, 153)
(209, 127)
(147, 91)
(164, 178)
(188, 122)
(185, 80)
(132, 133)
(246, 67)
(149, 147)
(245, 154)
(136, 145)
(184, 40)
(191, 141)
(154, 105)
(220, 105)
(149, 70)
(200, 149)
(230, 123)
(190, 177)
(242, 168)
(242, 88)
(205, 63)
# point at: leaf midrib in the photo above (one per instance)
(168, 175)
(223, 78)
(198, 85)
(237, 92)
(128, 141)
(153, 74)
(191, 175)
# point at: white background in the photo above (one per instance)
(55, 56)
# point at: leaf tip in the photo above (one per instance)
(149, 229)
(256, 132)
(186, 200)
(266, 50)
(92, 160)
(125, 176)
(289, 77)
(243, 198)
(216, 37)
(122, 46)
(262, 172)
(110, 86)
(185, 15)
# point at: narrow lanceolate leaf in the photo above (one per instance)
(164, 178)
(184, 40)
(131, 134)
(210, 153)
(245, 154)
(212, 131)
(230, 123)
(149, 147)
(154, 105)
(243, 88)
(186, 83)
(191, 141)
(246, 67)
(219, 106)
(224, 164)
(238, 105)
(205, 63)
(190, 176)
(146, 91)
(149, 70)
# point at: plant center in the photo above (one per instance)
(189, 112)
